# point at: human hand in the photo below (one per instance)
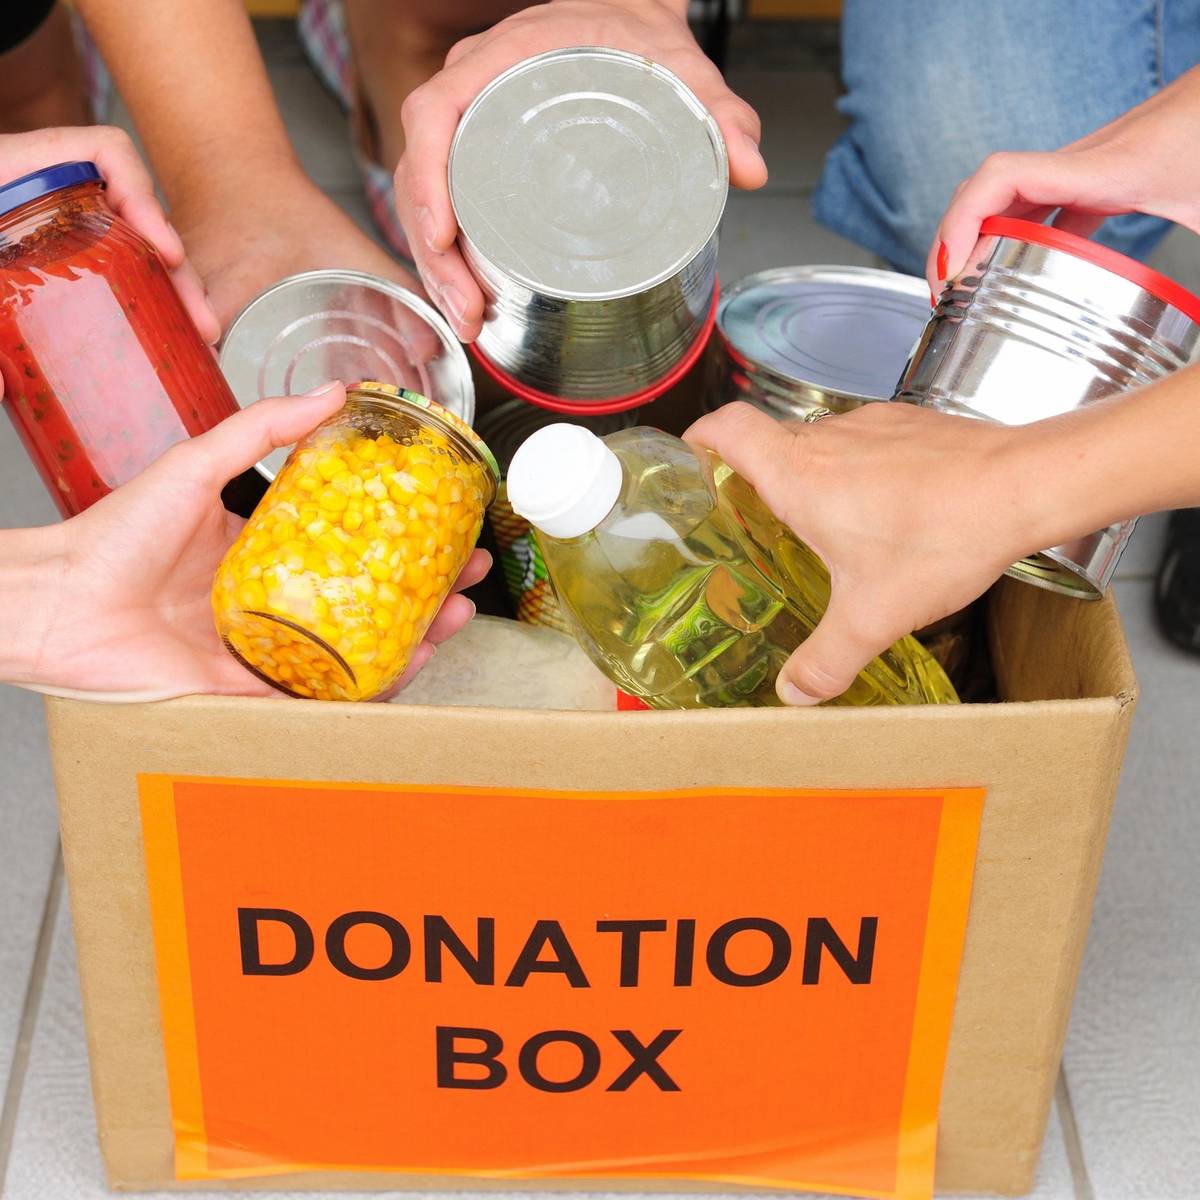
(1144, 161)
(129, 192)
(125, 593)
(656, 29)
(914, 512)
(244, 240)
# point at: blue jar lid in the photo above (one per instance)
(41, 183)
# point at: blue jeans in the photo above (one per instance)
(934, 86)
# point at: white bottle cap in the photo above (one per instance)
(564, 480)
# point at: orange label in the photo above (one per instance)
(752, 987)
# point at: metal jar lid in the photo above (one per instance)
(588, 174)
(829, 335)
(370, 389)
(318, 326)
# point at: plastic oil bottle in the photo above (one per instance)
(677, 579)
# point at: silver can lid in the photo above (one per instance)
(348, 325)
(588, 174)
(846, 331)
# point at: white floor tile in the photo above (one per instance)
(27, 813)
(27, 849)
(1133, 1056)
(1140, 560)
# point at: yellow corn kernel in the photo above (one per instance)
(379, 570)
(252, 595)
(414, 574)
(331, 500)
(352, 520)
(425, 475)
(329, 465)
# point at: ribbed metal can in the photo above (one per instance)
(521, 563)
(588, 185)
(794, 339)
(1039, 323)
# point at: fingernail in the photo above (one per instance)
(932, 300)
(754, 147)
(452, 298)
(789, 693)
(427, 227)
(943, 260)
(325, 387)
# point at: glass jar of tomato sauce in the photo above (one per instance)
(345, 562)
(103, 369)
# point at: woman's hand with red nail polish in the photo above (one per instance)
(1144, 161)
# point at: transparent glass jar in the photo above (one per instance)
(334, 580)
(103, 369)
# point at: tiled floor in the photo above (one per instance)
(1131, 1126)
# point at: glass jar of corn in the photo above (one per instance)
(334, 580)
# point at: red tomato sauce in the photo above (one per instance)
(103, 369)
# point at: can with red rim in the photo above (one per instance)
(1038, 323)
(588, 185)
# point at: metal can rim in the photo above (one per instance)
(1161, 286)
(914, 286)
(684, 92)
(442, 415)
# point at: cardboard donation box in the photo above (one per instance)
(381, 947)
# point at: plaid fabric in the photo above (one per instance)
(322, 29)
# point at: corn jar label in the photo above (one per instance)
(524, 569)
(741, 986)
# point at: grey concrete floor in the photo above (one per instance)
(1127, 1122)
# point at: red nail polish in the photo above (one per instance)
(943, 260)
(932, 300)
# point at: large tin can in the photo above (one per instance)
(588, 185)
(1041, 322)
(521, 563)
(794, 339)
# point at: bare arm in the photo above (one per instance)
(916, 513)
(197, 89)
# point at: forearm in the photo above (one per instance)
(31, 570)
(195, 84)
(1122, 458)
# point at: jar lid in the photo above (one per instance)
(311, 328)
(41, 183)
(588, 174)
(444, 415)
(1158, 285)
(841, 332)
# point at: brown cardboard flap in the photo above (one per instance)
(1050, 766)
(1049, 647)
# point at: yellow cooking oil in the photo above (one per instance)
(688, 592)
